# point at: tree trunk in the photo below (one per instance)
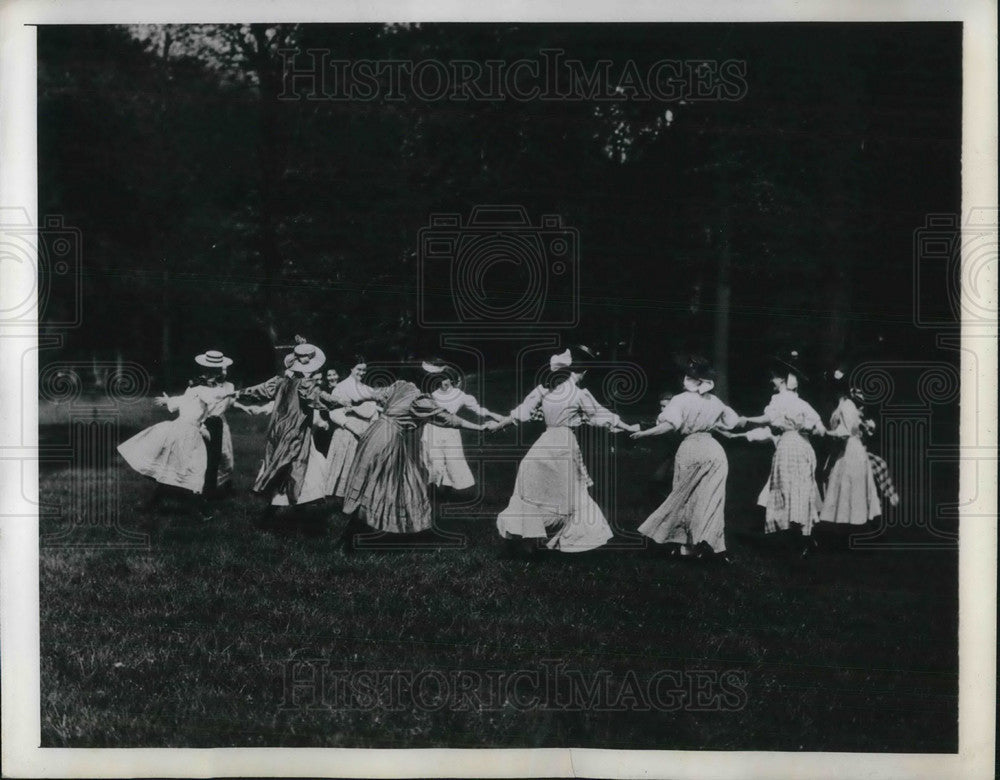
(268, 168)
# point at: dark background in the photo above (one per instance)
(214, 215)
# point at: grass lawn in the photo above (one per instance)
(188, 641)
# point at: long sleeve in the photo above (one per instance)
(311, 394)
(596, 414)
(265, 391)
(470, 403)
(522, 412)
(426, 408)
(728, 419)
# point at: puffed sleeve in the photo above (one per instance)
(728, 418)
(596, 414)
(809, 418)
(673, 412)
(773, 408)
(522, 412)
(424, 407)
(470, 403)
(265, 391)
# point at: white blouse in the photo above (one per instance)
(691, 412)
(566, 406)
(787, 412)
(454, 400)
(350, 391)
(192, 407)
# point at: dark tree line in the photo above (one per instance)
(213, 211)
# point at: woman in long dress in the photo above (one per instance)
(296, 394)
(551, 498)
(219, 470)
(692, 519)
(851, 496)
(791, 496)
(174, 453)
(387, 485)
(356, 411)
(443, 454)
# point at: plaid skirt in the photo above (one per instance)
(791, 494)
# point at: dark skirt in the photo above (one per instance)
(387, 482)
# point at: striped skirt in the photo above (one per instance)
(695, 509)
(791, 494)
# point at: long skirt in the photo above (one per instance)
(313, 485)
(851, 496)
(339, 459)
(551, 493)
(172, 452)
(226, 461)
(387, 484)
(791, 494)
(694, 511)
(444, 458)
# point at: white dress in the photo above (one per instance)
(441, 447)
(694, 512)
(851, 496)
(173, 452)
(358, 411)
(551, 492)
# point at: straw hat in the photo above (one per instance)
(212, 358)
(305, 359)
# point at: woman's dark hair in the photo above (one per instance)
(555, 378)
(198, 381)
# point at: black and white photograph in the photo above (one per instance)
(599, 389)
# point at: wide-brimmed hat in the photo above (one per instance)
(699, 368)
(212, 358)
(315, 358)
(788, 363)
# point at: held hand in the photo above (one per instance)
(638, 434)
(161, 400)
(323, 425)
(491, 426)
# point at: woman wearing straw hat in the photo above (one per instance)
(791, 495)
(692, 519)
(174, 453)
(441, 447)
(219, 469)
(551, 490)
(295, 395)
